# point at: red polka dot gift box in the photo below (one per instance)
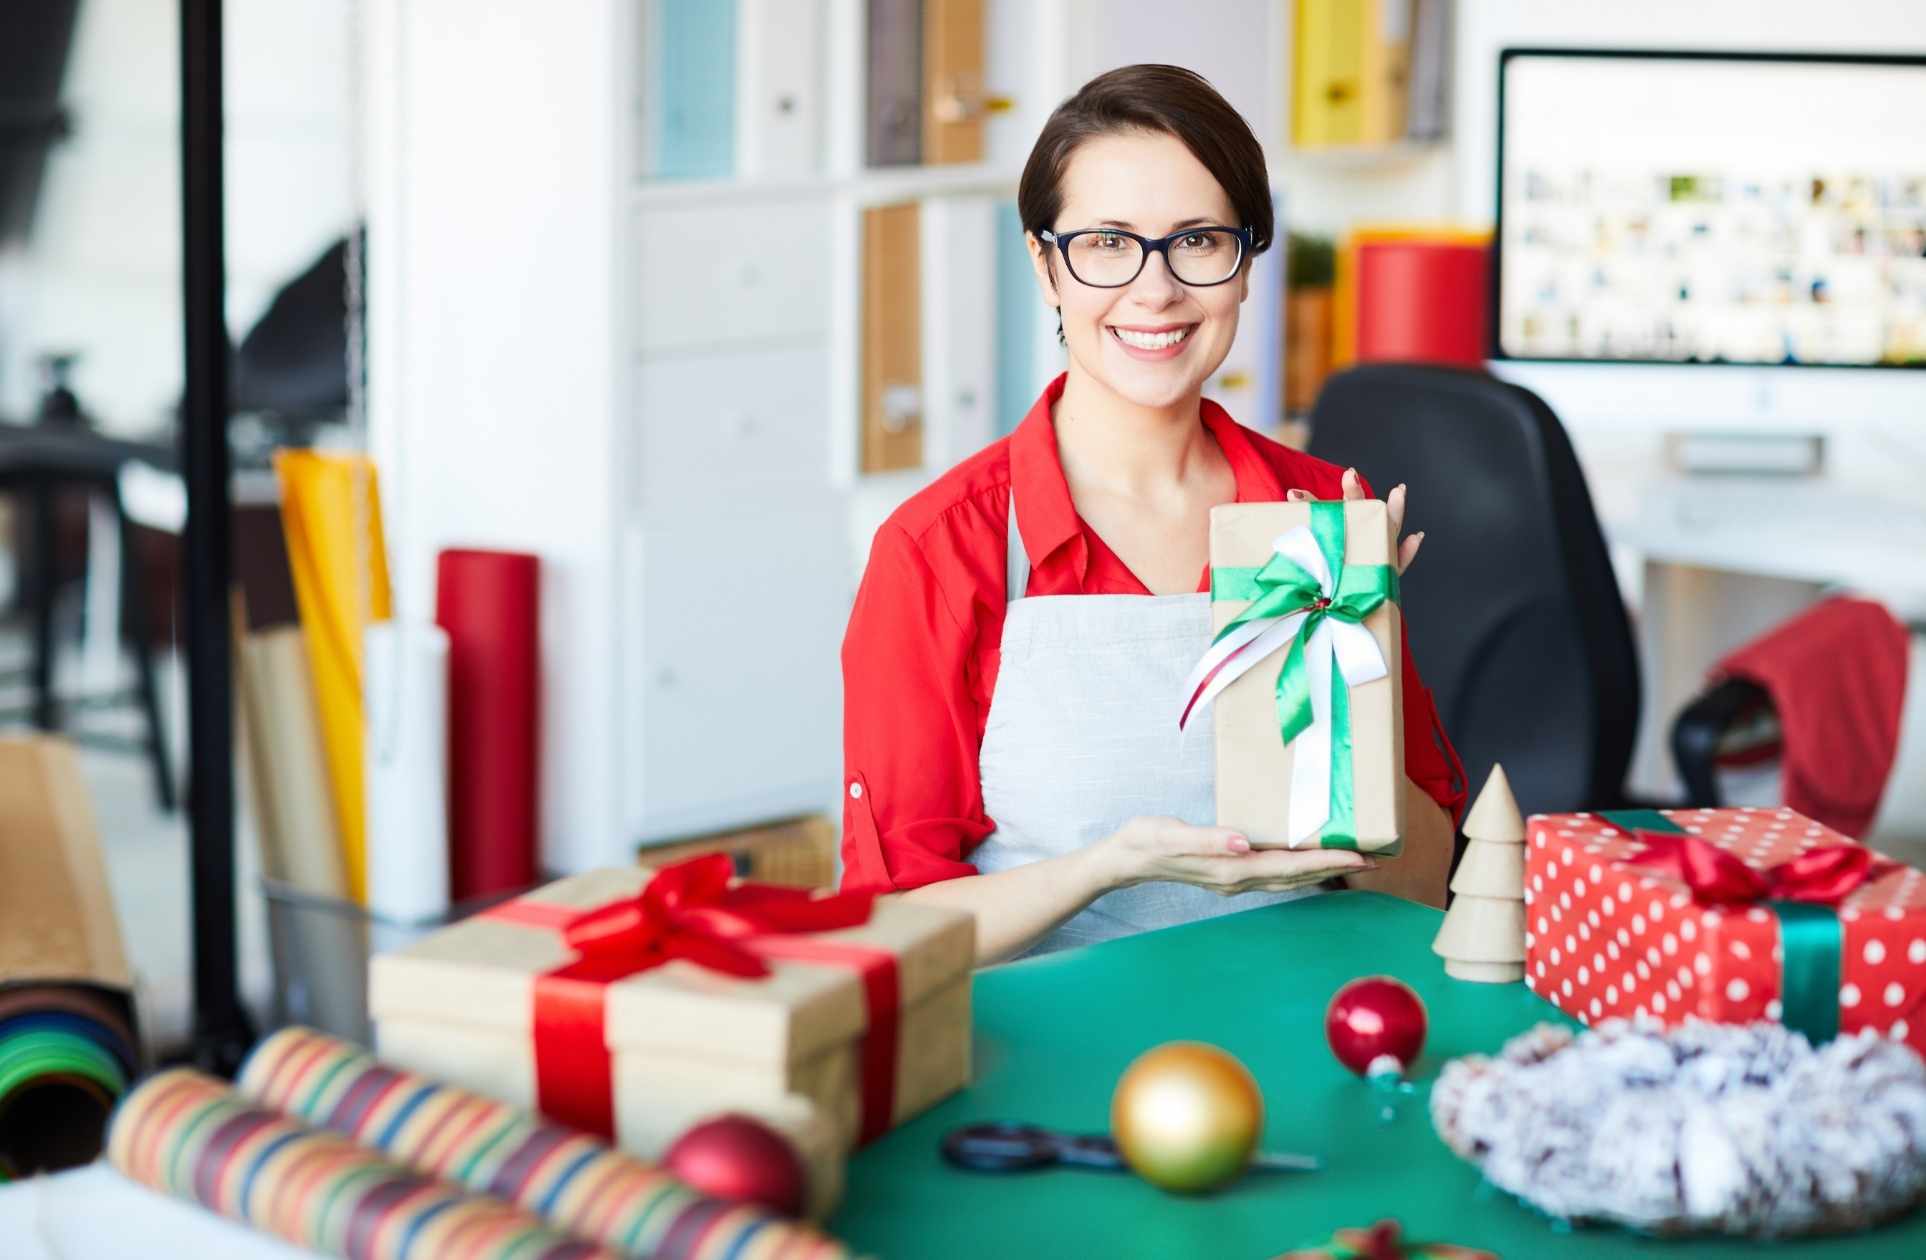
(1730, 915)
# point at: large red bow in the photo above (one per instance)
(689, 910)
(1824, 875)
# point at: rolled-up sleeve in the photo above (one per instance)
(912, 794)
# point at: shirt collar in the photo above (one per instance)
(1048, 519)
(1046, 516)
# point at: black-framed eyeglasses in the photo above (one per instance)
(1110, 258)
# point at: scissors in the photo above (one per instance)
(1023, 1147)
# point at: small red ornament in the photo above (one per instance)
(1376, 1024)
(741, 1159)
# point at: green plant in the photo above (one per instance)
(1310, 262)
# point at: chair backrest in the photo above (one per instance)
(1515, 617)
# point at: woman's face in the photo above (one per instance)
(1150, 184)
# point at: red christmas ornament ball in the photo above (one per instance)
(1375, 1017)
(740, 1159)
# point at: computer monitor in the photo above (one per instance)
(1719, 238)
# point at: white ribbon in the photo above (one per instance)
(1354, 650)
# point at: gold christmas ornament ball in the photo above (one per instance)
(1186, 1116)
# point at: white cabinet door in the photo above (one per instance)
(721, 429)
(733, 704)
(959, 346)
(727, 274)
(780, 103)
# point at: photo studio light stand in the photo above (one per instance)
(221, 1033)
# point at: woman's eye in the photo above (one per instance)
(1195, 241)
(1109, 240)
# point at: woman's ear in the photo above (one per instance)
(1045, 269)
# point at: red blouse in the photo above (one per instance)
(921, 653)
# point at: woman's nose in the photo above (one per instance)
(1155, 285)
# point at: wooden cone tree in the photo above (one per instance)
(1483, 934)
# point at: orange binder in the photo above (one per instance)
(953, 81)
(892, 339)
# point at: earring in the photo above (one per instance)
(1060, 338)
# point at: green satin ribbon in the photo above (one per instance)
(1281, 587)
(1811, 941)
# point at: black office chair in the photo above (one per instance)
(1516, 622)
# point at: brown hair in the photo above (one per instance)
(1167, 99)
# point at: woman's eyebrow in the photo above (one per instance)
(1131, 227)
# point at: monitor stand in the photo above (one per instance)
(1729, 453)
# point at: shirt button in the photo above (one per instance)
(855, 791)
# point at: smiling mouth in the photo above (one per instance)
(1140, 340)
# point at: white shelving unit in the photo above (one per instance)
(655, 385)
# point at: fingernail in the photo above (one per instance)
(1399, 488)
(1238, 844)
(1418, 537)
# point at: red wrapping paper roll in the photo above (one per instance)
(489, 602)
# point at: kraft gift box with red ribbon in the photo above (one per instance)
(630, 1003)
(1729, 915)
(1302, 677)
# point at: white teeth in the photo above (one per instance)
(1150, 341)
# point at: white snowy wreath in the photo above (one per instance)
(1703, 1128)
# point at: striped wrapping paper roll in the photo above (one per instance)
(571, 1180)
(190, 1135)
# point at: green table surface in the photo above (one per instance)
(1054, 1033)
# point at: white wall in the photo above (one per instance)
(492, 357)
(102, 272)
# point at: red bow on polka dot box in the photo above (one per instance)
(1731, 915)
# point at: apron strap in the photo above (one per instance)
(1017, 566)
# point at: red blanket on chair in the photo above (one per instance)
(1837, 677)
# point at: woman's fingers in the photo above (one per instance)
(1276, 870)
(1319, 862)
(1181, 839)
(1408, 550)
(1394, 505)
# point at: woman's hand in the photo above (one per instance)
(1216, 858)
(1393, 507)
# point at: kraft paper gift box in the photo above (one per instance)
(1306, 593)
(869, 1023)
(1775, 918)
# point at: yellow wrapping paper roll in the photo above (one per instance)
(331, 512)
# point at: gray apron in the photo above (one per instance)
(1082, 736)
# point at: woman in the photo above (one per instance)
(1015, 657)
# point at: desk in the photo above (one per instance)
(1054, 1033)
(1715, 561)
(1052, 1036)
